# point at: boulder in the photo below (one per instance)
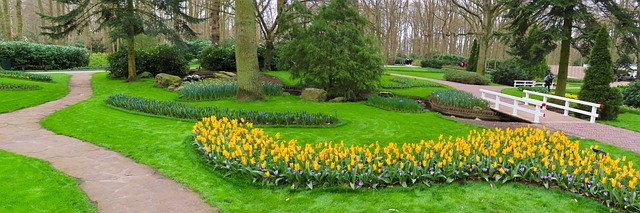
(338, 99)
(146, 75)
(164, 80)
(230, 74)
(314, 94)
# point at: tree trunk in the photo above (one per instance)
(249, 86)
(19, 20)
(215, 22)
(5, 21)
(268, 53)
(42, 22)
(563, 66)
(482, 54)
(131, 48)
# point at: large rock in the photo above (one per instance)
(338, 99)
(146, 75)
(164, 80)
(314, 94)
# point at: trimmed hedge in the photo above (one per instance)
(161, 59)
(431, 62)
(217, 58)
(466, 78)
(52, 56)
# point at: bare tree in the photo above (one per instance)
(481, 16)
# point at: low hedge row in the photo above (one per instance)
(51, 56)
(5, 86)
(24, 75)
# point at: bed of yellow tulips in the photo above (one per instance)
(530, 155)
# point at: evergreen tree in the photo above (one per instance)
(332, 49)
(531, 50)
(249, 85)
(599, 76)
(563, 19)
(125, 19)
(473, 58)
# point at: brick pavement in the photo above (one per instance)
(113, 182)
(619, 137)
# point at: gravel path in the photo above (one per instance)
(114, 183)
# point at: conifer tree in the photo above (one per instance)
(125, 19)
(473, 58)
(598, 77)
(331, 50)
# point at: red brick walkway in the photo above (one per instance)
(619, 137)
(112, 181)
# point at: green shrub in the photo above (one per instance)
(631, 95)
(457, 98)
(195, 47)
(466, 78)
(394, 103)
(99, 59)
(119, 64)
(632, 110)
(493, 63)
(431, 62)
(184, 111)
(161, 59)
(166, 59)
(218, 59)
(212, 90)
(4, 86)
(507, 73)
(52, 56)
(24, 75)
(534, 89)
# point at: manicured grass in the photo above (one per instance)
(32, 185)
(284, 76)
(15, 100)
(627, 120)
(417, 92)
(160, 143)
(434, 75)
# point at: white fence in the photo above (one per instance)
(529, 83)
(567, 102)
(514, 103)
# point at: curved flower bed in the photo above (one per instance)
(523, 154)
(5, 86)
(184, 111)
(23, 75)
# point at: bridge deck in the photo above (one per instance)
(549, 116)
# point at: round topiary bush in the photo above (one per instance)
(218, 59)
(631, 95)
(119, 63)
(507, 73)
(432, 62)
(167, 59)
(466, 78)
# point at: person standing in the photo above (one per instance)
(548, 81)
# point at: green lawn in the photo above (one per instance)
(284, 76)
(163, 144)
(15, 100)
(32, 185)
(418, 92)
(627, 120)
(433, 75)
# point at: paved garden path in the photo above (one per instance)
(114, 183)
(619, 137)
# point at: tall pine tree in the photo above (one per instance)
(473, 58)
(531, 51)
(125, 19)
(598, 77)
(571, 21)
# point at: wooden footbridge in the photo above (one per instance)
(535, 111)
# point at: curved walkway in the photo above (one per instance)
(619, 137)
(114, 183)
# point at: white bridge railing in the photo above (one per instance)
(514, 103)
(567, 102)
(529, 83)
